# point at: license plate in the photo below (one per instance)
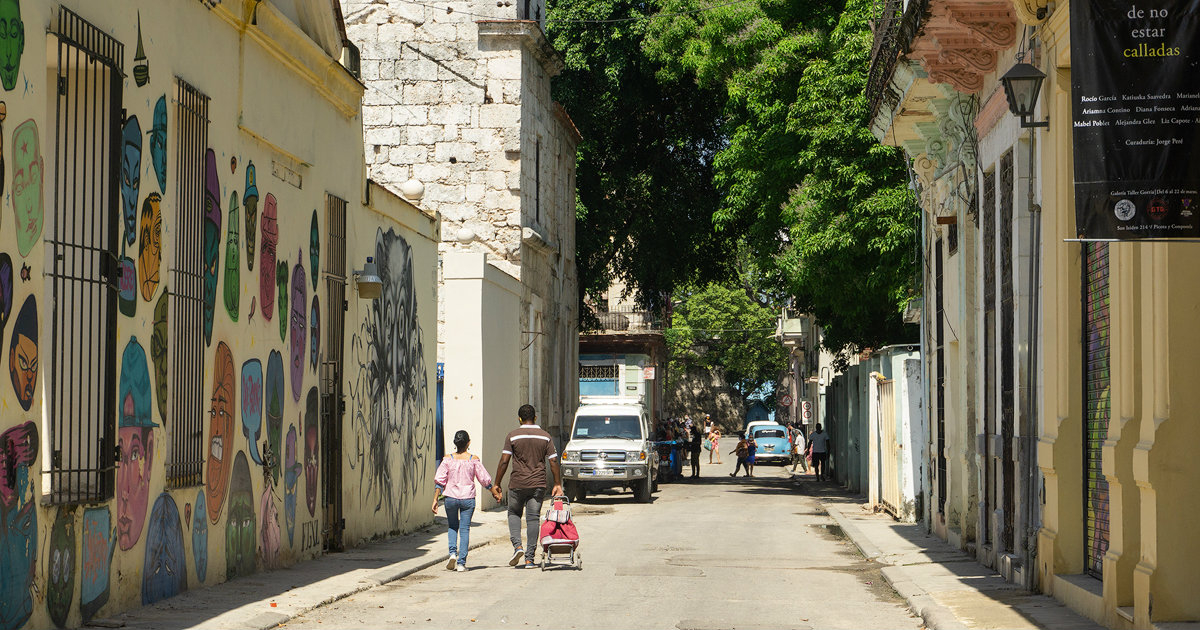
(603, 472)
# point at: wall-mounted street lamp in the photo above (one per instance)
(1022, 83)
(370, 286)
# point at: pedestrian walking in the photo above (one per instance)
(751, 450)
(694, 443)
(528, 447)
(799, 448)
(740, 451)
(819, 445)
(714, 439)
(455, 479)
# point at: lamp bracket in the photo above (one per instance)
(1026, 123)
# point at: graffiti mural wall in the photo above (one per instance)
(194, 491)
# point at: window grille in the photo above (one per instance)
(82, 264)
(332, 360)
(186, 312)
(987, 218)
(1007, 317)
(599, 372)
(1097, 379)
(940, 312)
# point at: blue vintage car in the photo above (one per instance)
(773, 443)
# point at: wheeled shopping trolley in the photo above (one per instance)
(559, 537)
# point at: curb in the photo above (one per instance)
(935, 615)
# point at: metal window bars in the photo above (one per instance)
(1097, 378)
(940, 377)
(332, 361)
(599, 372)
(1006, 323)
(987, 219)
(82, 264)
(185, 352)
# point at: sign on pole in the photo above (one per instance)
(648, 373)
(1136, 105)
(785, 400)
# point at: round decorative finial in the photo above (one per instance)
(412, 190)
(465, 235)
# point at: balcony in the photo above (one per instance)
(626, 319)
(895, 23)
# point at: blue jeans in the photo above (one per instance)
(458, 519)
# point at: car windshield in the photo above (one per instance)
(600, 427)
(769, 433)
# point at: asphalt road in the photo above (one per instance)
(710, 553)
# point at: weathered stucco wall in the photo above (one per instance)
(283, 132)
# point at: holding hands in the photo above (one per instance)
(497, 493)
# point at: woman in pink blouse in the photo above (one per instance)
(455, 479)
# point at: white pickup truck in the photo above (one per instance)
(610, 447)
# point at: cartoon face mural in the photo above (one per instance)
(136, 439)
(95, 559)
(252, 408)
(250, 201)
(158, 355)
(281, 279)
(212, 239)
(23, 353)
(274, 397)
(27, 194)
(158, 143)
(269, 529)
(233, 278)
(239, 527)
(298, 325)
(150, 244)
(266, 272)
(220, 436)
(12, 42)
(164, 571)
(291, 475)
(310, 451)
(314, 249)
(131, 174)
(314, 339)
(6, 290)
(60, 574)
(127, 296)
(18, 524)
(200, 538)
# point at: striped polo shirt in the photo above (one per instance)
(530, 446)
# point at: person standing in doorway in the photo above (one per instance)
(819, 443)
(455, 479)
(528, 447)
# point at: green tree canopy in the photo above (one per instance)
(720, 328)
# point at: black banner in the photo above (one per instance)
(1135, 72)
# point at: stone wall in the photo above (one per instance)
(699, 391)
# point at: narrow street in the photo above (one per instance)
(713, 553)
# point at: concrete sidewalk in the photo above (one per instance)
(267, 599)
(949, 589)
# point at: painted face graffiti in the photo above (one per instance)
(252, 407)
(27, 195)
(298, 325)
(281, 281)
(270, 527)
(23, 353)
(239, 527)
(200, 538)
(60, 572)
(158, 143)
(266, 272)
(250, 201)
(291, 475)
(150, 244)
(310, 451)
(274, 397)
(233, 279)
(212, 239)
(158, 355)
(136, 440)
(127, 295)
(18, 525)
(95, 560)
(12, 42)
(314, 249)
(164, 571)
(220, 440)
(131, 174)
(314, 327)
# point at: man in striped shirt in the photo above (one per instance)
(528, 448)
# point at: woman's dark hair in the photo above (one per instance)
(461, 438)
